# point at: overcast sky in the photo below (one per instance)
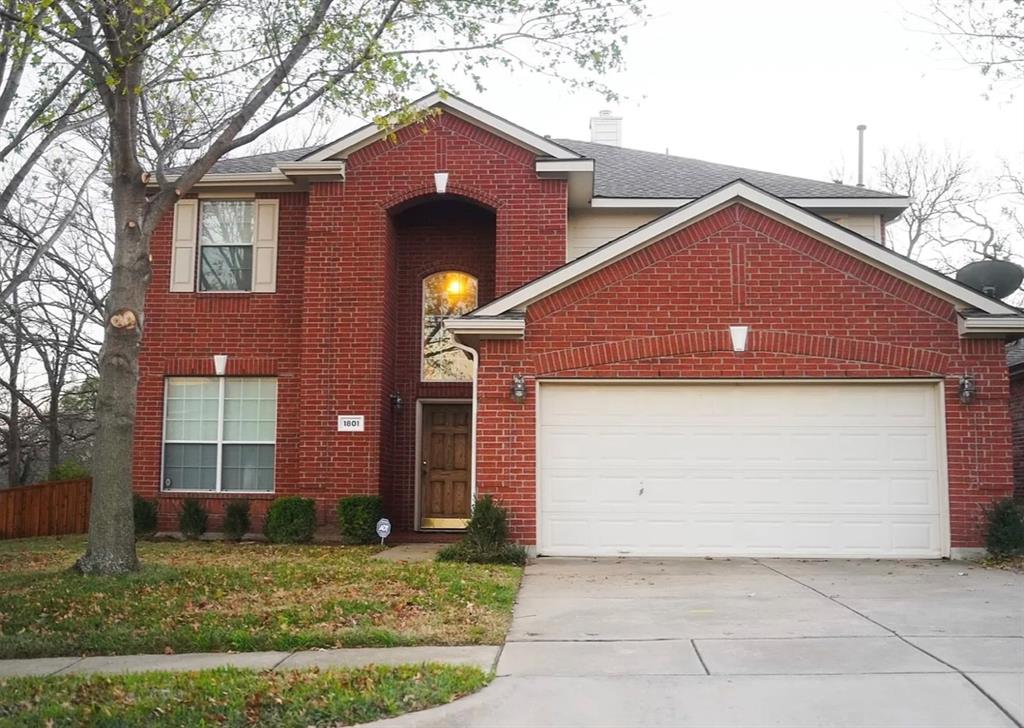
(781, 86)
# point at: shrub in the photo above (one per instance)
(1005, 536)
(68, 470)
(192, 519)
(144, 512)
(509, 553)
(236, 519)
(291, 520)
(486, 539)
(358, 516)
(488, 526)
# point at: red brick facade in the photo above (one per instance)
(342, 332)
(813, 312)
(340, 321)
(1017, 418)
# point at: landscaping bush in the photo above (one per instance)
(68, 470)
(509, 553)
(486, 539)
(1005, 536)
(144, 512)
(358, 516)
(291, 520)
(192, 519)
(236, 520)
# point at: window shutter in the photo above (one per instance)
(264, 247)
(183, 246)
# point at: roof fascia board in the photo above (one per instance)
(872, 203)
(491, 328)
(564, 166)
(241, 179)
(990, 326)
(474, 114)
(739, 190)
(331, 168)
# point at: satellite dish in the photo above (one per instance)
(995, 278)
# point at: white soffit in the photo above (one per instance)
(463, 109)
(667, 224)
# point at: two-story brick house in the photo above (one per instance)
(635, 353)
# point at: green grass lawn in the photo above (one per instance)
(211, 597)
(232, 697)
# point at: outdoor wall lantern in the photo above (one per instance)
(518, 388)
(396, 401)
(220, 364)
(968, 388)
(739, 337)
(441, 182)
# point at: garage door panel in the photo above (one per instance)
(837, 469)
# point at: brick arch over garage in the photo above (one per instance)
(695, 343)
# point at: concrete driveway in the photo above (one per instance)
(756, 642)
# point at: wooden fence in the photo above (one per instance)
(45, 509)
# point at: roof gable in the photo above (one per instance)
(740, 190)
(471, 113)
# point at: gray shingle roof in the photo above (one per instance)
(255, 163)
(621, 172)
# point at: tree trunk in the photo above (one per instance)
(13, 443)
(111, 548)
(53, 427)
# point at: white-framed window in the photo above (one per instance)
(448, 293)
(226, 230)
(219, 434)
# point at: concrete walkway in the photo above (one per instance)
(747, 642)
(483, 657)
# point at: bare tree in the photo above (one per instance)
(192, 80)
(988, 34)
(954, 216)
(938, 184)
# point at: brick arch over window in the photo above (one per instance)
(760, 342)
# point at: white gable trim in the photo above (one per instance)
(467, 111)
(641, 237)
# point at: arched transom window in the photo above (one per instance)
(448, 293)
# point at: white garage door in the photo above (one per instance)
(822, 469)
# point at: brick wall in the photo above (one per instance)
(1017, 419)
(183, 331)
(813, 312)
(332, 332)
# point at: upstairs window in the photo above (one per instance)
(449, 293)
(226, 230)
(224, 246)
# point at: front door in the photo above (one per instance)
(445, 466)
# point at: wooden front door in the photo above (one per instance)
(445, 466)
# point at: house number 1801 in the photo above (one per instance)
(351, 423)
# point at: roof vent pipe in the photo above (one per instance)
(606, 129)
(860, 154)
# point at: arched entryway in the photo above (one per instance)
(443, 251)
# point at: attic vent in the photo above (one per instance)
(606, 129)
